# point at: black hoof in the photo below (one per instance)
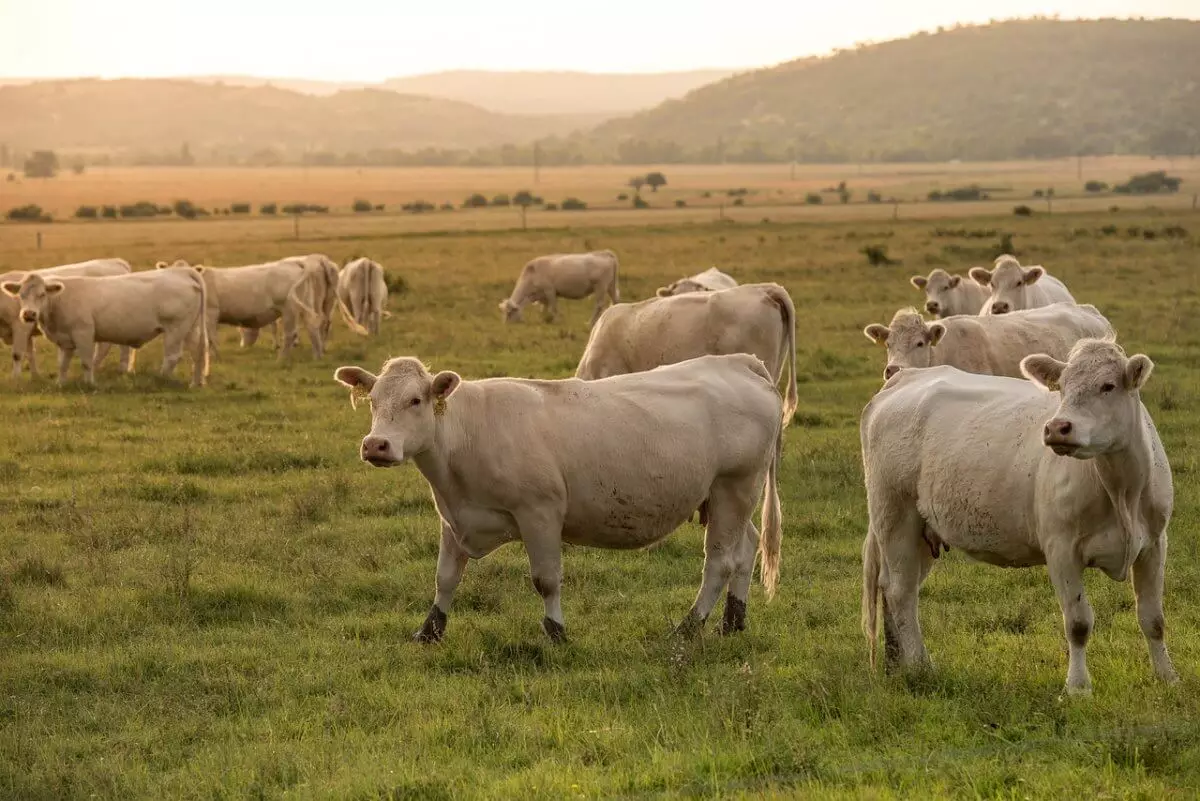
(433, 628)
(735, 615)
(554, 630)
(689, 627)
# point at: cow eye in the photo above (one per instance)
(1108, 387)
(920, 344)
(415, 402)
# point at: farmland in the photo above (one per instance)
(204, 594)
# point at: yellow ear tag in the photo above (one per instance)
(439, 406)
(357, 393)
(1052, 386)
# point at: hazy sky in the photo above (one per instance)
(376, 39)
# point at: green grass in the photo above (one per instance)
(204, 594)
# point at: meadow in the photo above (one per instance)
(205, 594)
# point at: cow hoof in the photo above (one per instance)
(433, 628)
(735, 615)
(554, 630)
(1076, 692)
(689, 627)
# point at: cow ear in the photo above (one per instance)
(503, 305)
(198, 268)
(919, 281)
(980, 276)
(161, 265)
(1033, 274)
(444, 384)
(663, 292)
(955, 280)
(11, 288)
(1137, 371)
(359, 380)
(54, 287)
(877, 333)
(936, 332)
(1043, 370)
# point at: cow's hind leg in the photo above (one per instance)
(900, 531)
(541, 532)
(1148, 590)
(174, 340)
(730, 505)
(452, 561)
(248, 336)
(64, 361)
(739, 586)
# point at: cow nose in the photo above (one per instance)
(890, 371)
(1057, 429)
(375, 448)
(932, 307)
(999, 308)
(29, 316)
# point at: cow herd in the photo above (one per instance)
(1009, 427)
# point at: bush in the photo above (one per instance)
(935, 195)
(501, 200)
(42, 164)
(1149, 183)
(622, 196)
(572, 204)
(639, 203)
(706, 194)
(476, 201)
(877, 255)
(1096, 186)
(655, 179)
(524, 199)
(363, 206)
(268, 208)
(972, 192)
(379, 207)
(240, 208)
(78, 168)
(1022, 211)
(1038, 193)
(814, 199)
(184, 209)
(29, 213)
(739, 201)
(302, 208)
(418, 207)
(164, 211)
(680, 203)
(86, 212)
(874, 197)
(737, 192)
(109, 212)
(551, 207)
(447, 207)
(1109, 230)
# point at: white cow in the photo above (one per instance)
(19, 333)
(987, 344)
(564, 275)
(753, 318)
(1014, 287)
(362, 294)
(947, 295)
(128, 310)
(1064, 470)
(615, 463)
(711, 280)
(259, 295)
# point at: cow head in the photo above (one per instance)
(937, 288)
(512, 312)
(681, 287)
(33, 293)
(1100, 405)
(909, 340)
(1007, 281)
(406, 402)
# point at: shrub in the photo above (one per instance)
(362, 206)
(240, 208)
(476, 201)
(28, 213)
(572, 204)
(501, 200)
(680, 203)
(737, 192)
(379, 207)
(78, 168)
(1038, 193)
(1109, 230)
(1149, 183)
(186, 210)
(418, 207)
(1175, 232)
(1096, 186)
(447, 207)
(164, 211)
(972, 192)
(814, 199)
(639, 203)
(551, 207)
(655, 179)
(87, 212)
(524, 199)
(268, 208)
(109, 212)
(622, 196)
(302, 208)
(739, 201)
(706, 194)
(1022, 211)
(874, 197)
(42, 164)
(935, 195)
(877, 255)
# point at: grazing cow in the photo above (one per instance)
(989, 344)
(615, 463)
(947, 295)
(711, 280)
(128, 310)
(1064, 470)
(1014, 287)
(362, 295)
(753, 318)
(565, 275)
(19, 333)
(258, 295)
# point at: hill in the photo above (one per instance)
(607, 94)
(142, 118)
(1030, 88)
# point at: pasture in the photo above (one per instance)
(204, 594)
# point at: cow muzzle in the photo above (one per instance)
(378, 451)
(890, 371)
(1000, 307)
(1058, 437)
(28, 316)
(933, 307)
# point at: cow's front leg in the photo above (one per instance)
(541, 532)
(87, 357)
(30, 356)
(1066, 573)
(550, 304)
(128, 359)
(64, 361)
(452, 561)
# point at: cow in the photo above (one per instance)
(1014, 287)
(947, 295)
(987, 344)
(564, 275)
(1065, 469)
(616, 463)
(258, 295)
(18, 333)
(711, 280)
(362, 295)
(753, 318)
(127, 310)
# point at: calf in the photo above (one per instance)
(947, 295)
(615, 463)
(362, 295)
(711, 280)
(565, 275)
(1065, 469)
(1014, 287)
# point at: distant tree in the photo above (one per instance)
(1096, 186)
(637, 182)
(501, 200)
(475, 201)
(87, 212)
(874, 197)
(42, 164)
(812, 199)
(362, 206)
(844, 194)
(524, 199)
(268, 208)
(185, 155)
(573, 204)
(240, 208)
(28, 213)
(186, 210)
(1022, 211)
(655, 179)
(640, 203)
(109, 212)
(78, 167)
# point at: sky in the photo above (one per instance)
(370, 40)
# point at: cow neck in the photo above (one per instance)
(1125, 476)
(436, 463)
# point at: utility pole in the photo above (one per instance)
(537, 159)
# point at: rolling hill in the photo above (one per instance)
(1029, 88)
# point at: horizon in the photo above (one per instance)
(73, 39)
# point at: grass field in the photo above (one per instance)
(204, 594)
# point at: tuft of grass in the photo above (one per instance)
(36, 571)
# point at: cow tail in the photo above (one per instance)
(788, 310)
(201, 353)
(770, 543)
(615, 293)
(870, 596)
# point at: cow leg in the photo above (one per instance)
(128, 359)
(289, 332)
(102, 349)
(64, 361)
(739, 585)
(1148, 592)
(1066, 573)
(87, 356)
(550, 306)
(452, 561)
(248, 336)
(16, 365)
(600, 297)
(907, 559)
(173, 342)
(275, 335)
(729, 508)
(30, 356)
(541, 533)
